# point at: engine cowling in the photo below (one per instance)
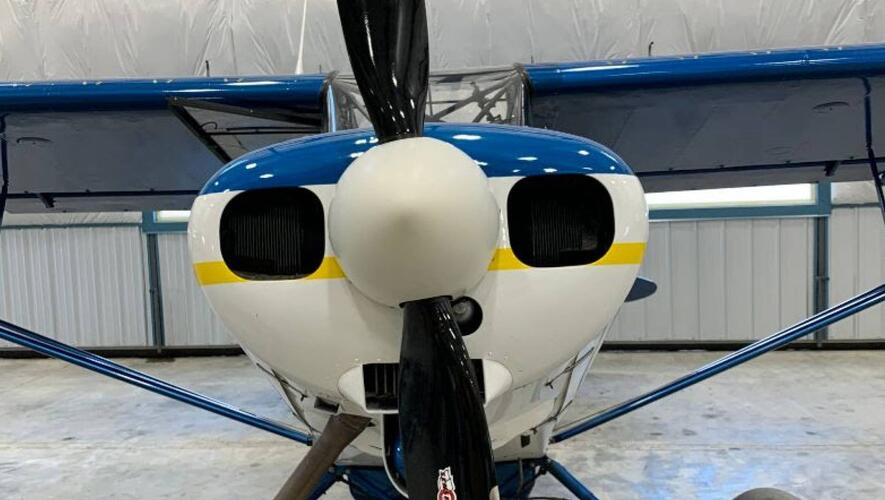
(569, 232)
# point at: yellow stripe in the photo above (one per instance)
(505, 260)
(621, 254)
(215, 273)
(618, 254)
(328, 270)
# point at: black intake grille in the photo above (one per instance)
(381, 383)
(560, 220)
(273, 234)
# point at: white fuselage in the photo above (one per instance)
(540, 330)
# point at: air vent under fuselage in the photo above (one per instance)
(381, 384)
(560, 220)
(273, 234)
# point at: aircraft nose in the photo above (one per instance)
(413, 219)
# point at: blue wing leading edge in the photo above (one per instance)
(716, 120)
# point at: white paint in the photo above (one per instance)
(413, 219)
(315, 333)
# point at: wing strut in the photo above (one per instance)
(103, 366)
(878, 179)
(777, 340)
(4, 168)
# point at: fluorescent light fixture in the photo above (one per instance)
(171, 216)
(779, 195)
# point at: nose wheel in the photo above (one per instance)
(766, 494)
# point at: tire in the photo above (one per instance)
(766, 494)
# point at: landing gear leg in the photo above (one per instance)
(313, 472)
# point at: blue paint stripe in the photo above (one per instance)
(849, 61)
(302, 92)
(501, 151)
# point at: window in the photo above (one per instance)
(172, 216)
(785, 200)
(779, 195)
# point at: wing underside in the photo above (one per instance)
(724, 120)
(141, 144)
(718, 120)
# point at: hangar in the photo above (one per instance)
(463, 249)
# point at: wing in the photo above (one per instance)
(724, 120)
(141, 144)
(703, 121)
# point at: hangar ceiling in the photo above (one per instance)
(55, 39)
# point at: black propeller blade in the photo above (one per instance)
(446, 445)
(388, 49)
(445, 437)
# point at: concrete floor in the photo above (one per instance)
(809, 422)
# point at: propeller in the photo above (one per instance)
(387, 45)
(445, 438)
(414, 224)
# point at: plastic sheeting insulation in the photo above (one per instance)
(64, 39)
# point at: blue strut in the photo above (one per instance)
(570, 482)
(777, 340)
(98, 364)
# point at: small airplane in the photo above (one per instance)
(428, 297)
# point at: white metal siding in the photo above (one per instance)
(188, 318)
(84, 286)
(857, 263)
(722, 280)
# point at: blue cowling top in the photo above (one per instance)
(501, 151)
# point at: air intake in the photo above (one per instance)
(273, 234)
(560, 220)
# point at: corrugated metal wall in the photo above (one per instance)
(188, 318)
(735, 279)
(81, 285)
(857, 263)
